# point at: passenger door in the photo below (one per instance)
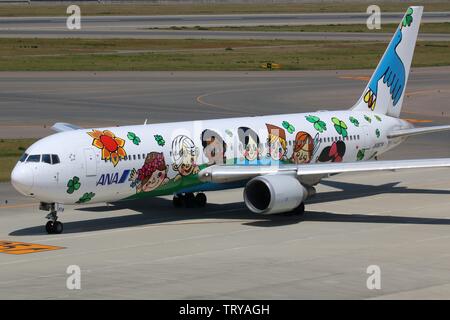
(91, 162)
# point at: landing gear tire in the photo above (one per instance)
(189, 200)
(200, 199)
(54, 227)
(177, 201)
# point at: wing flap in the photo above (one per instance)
(223, 174)
(415, 131)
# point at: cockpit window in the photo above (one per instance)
(46, 158)
(23, 157)
(34, 158)
(55, 159)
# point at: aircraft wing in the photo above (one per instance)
(222, 173)
(415, 131)
(62, 126)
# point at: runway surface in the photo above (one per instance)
(138, 26)
(147, 249)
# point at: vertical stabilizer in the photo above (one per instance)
(386, 89)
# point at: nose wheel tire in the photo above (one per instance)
(54, 227)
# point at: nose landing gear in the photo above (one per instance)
(189, 200)
(53, 226)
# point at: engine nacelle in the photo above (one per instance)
(271, 194)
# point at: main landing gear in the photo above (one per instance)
(53, 226)
(189, 200)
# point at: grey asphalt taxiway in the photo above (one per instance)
(399, 221)
(141, 27)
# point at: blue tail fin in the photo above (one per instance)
(385, 91)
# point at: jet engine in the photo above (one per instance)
(271, 194)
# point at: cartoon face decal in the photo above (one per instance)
(289, 127)
(134, 138)
(111, 146)
(340, 126)
(249, 142)
(333, 153)
(277, 142)
(214, 147)
(303, 148)
(319, 125)
(152, 174)
(184, 156)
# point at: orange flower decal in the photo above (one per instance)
(111, 146)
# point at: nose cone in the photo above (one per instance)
(22, 179)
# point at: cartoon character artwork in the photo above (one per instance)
(152, 175)
(333, 153)
(304, 147)
(184, 156)
(214, 147)
(390, 69)
(249, 145)
(276, 140)
(112, 147)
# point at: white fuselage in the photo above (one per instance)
(111, 164)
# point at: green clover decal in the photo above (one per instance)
(408, 19)
(354, 121)
(160, 140)
(86, 197)
(319, 125)
(367, 119)
(73, 184)
(289, 127)
(340, 126)
(360, 154)
(378, 118)
(133, 137)
(377, 132)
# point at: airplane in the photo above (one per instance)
(277, 159)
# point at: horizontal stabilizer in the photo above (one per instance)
(62, 126)
(222, 174)
(415, 131)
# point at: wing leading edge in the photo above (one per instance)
(223, 174)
